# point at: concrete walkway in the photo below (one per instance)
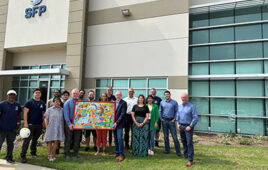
(19, 166)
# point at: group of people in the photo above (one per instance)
(140, 118)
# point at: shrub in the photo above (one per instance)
(243, 140)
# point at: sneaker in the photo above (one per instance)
(67, 157)
(34, 155)
(152, 152)
(149, 152)
(23, 160)
(87, 149)
(11, 161)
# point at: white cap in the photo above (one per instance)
(11, 92)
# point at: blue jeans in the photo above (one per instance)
(118, 142)
(170, 126)
(187, 141)
(151, 139)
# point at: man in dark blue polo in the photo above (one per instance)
(9, 123)
(167, 112)
(187, 118)
(34, 110)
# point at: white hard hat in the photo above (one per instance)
(11, 92)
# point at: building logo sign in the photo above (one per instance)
(36, 9)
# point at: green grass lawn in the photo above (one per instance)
(206, 157)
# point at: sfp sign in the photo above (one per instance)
(35, 10)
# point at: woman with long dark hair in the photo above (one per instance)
(140, 115)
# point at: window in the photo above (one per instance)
(199, 53)
(25, 85)
(222, 68)
(222, 17)
(222, 34)
(198, 69)
(199, 37)
(222, 52)
(249, 67)
(248, 32)
(140, 86)
(199, 20)
(249, 50)
(247, 14)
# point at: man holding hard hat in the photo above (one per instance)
(10, 117)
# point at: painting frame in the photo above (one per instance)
(87, 101)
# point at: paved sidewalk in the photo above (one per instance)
(19, 166)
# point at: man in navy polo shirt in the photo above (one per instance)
(9, 123)
(34, 110)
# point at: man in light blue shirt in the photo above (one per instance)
(71, 136)
(167, 113)
(187, 118)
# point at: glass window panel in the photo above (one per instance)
(199, 53)
(17, 90)
(265, 45)
(24, 83)
(158, 83)
(138, 92)
(120, 83)
(222, 124)
(30, 93)
(266, 91)
(23, 95)
(45, 67)
(202, 124)
(198, 20)
(245, 88)
(222, 68)
(15, 83)
(265, 32)
(99, 92)
(198, 69)
(34, 68)
(249, 67)
(17, 68)
(251, 126)
(103, 82)
(62, 84)
(51, 93)
(222, 34)
(222, 52)
(138, 83)
(55, 83)
(33, 83)
(198, 88)
(248, 32)
(222, 88)
(199, 37)
(63, 67)
(201, 104)
(249, 50)
(247, 14)
(265, 12)
(218, 106)
(123, 91)
(160, 93)
(222, 17)
(250, 107)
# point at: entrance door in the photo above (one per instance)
(43, 85)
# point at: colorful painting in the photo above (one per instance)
(94, 115)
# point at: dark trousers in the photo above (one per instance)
(170, 126)
(110, 137)
(10, 137)
(36, 131)
(187, 141)
(71, 137)
(128, 127)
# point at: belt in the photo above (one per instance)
(167, 119)
(184, 124)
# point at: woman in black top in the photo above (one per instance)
(140, 115)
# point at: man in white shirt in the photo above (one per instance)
(131, 101)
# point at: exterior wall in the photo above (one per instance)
(49, 28)
(3, 16)
(156, 34)
(75, 43)
(39, 58)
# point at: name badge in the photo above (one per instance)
(41, 106)
(16, 108)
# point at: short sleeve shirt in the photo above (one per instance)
(36, 108)
(9, 115)
(140, 111)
